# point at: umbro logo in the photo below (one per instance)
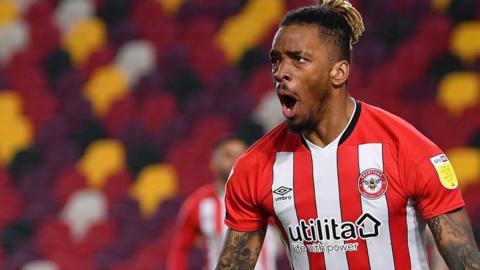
(283, 191)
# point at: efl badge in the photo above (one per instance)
(445, 171)
(372, 183)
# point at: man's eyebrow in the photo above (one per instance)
(273, 53)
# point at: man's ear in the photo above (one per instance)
(339, 73)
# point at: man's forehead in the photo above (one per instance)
(297, 35)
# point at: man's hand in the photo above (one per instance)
(453, 234)
(240, 250)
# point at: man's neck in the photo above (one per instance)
(333, 121)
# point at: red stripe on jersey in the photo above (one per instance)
(305, 197)
(350, 200)
(397, 214)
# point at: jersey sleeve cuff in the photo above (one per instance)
(444, 210)
(248, 228)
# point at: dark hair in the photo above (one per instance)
(337, 21)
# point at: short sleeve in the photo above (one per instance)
(435, 184)
(243, 212)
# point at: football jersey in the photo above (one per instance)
(360, 202)
(202, 214)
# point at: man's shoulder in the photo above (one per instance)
(201, 193)
(277, 140)
(394, 128)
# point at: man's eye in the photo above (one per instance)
(300, 59)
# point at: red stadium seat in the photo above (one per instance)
(120, 114)
(157, 108)
(68, 181)
(117, 186)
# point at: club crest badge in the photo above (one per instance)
(372, 184)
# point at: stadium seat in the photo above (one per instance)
(466, 162)
(116, 186)
(68, 182)
(40, 265)
(106, 85)
(245, 30)
(8, 12)
(170, 6)
(156, 109)
(122, 32)
(101, 57)
(14, 37)
(154, 184)
(268, 112)
(465, 41)
(458, 91)
(69, 13)
(260, 83)
(40, 106)
(135, 59)
(441, 5)
(16, 132)
(84, 38)
(83, 209)
(102, 159)
(120, 114)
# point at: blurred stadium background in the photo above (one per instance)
(109, 108)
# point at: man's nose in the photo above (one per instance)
(281, 73)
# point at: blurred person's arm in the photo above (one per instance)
(241, 249)
(187, 229)
(454, 237)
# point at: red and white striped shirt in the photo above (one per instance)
(358, 203)
(202, 214)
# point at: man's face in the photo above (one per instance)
(225, 156)
(300, 68)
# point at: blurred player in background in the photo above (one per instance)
(203, 213)
(351, 186)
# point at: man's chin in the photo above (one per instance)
(298, 127)
(295, 127)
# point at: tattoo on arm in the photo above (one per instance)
(241, 250)
(455, 241)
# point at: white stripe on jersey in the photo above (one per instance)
(416, 238)
(285, 209)
(379, 248)
(208, 217)
(327, 198)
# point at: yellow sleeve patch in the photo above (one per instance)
(445, 171)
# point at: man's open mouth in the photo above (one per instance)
(289, 103)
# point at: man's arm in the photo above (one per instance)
(454, 237)
(240, 250)
(187, 229)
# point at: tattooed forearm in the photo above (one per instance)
(454, 238)
(241, 250)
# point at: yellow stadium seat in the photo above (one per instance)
(440, 5)
(247, 29)
(16, 132)
(102, 159)
(8, 12)
(466, 162)
(84, 38)
(465, 41)
(170, 7)
(154, 184)
(458, 91)
(106, 85)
